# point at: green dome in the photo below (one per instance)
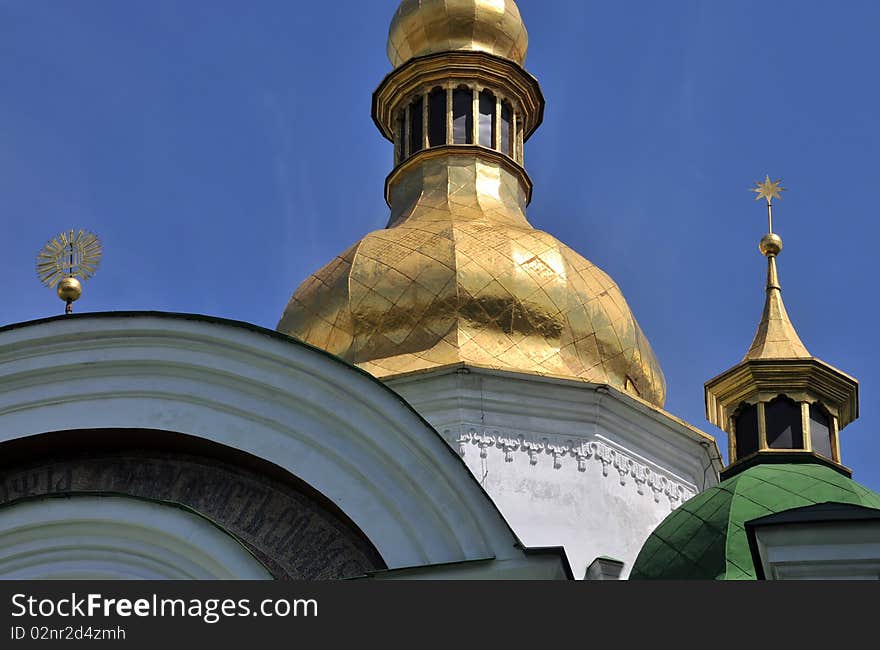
(705, 537)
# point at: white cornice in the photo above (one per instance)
(457, 393)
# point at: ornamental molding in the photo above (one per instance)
(616, 462)
(454, 397)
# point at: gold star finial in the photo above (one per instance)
(768, 189)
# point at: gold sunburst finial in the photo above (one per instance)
(67, 260)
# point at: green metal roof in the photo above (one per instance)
(705, 537)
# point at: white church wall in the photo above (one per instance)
(567, 462)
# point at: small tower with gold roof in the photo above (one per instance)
(785, 487)
(780, 403)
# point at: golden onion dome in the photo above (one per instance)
(422, 27)
(461, 277)
(412, 298)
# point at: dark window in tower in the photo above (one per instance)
(416, 126)
(437, 117)
(820, 431)
(487, 119)
(462, 116)
(746, 424)
(506, 118)
(399, 128)
(784, 428)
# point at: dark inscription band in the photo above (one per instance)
(290, 532)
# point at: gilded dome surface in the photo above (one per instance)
(422, 27)
(460, 276)
(463, 278)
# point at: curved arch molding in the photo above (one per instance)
(333, 426)
(112, 537)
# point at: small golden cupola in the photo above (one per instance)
(459, 275)
(780, 404)
(492, 26)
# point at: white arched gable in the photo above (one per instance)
(324, 421)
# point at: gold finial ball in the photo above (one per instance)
(771, 244)
(69, 289)
(422, 27)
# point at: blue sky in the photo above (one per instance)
(223, 151)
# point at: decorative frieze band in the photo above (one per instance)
(613, 459)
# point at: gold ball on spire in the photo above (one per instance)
(771, 244)
(422, 27)
(69, 289)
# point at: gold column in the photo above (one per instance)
(520, 144)
(762, 429)
(425, 143)
(449, 90)
(835, 439)
(731, 440)
(805, 426)
(496, 133)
